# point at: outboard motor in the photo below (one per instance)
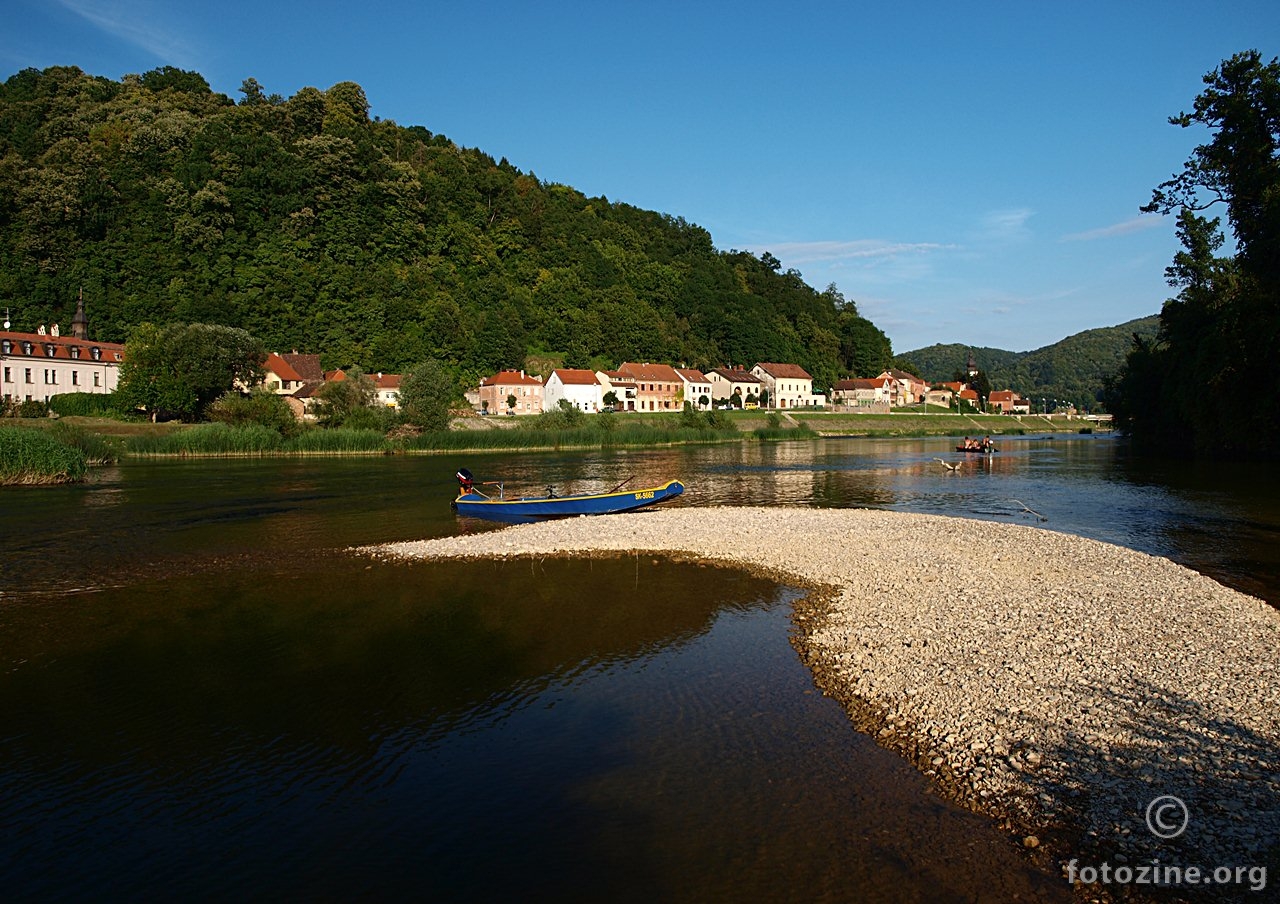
(465, 480)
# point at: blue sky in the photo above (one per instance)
(965, 172)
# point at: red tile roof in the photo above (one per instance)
(307, 366)
(785, 371)
(693, 376)
(574, 377)
(652, 372)
(736, 376)
(860, 383)
(282, 368)
(61, 347)
(510, 378)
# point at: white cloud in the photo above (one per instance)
(1125, 227)
(1003, 226)
(135, 23)
(853, 250)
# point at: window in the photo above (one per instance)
(7, 378)
(28, 379)
(26, 348)
(97, 379)
(75, 378)
(8, 347)
(50, 349)
(75, 352)
(95, 353)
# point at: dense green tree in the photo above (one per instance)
(308, 224)
(342, 402)
(1209, 382)
(183, 367)
(427, 392)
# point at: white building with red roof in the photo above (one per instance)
(580, 388)
(697, 387)
(386, 389)
(789, 385)
(875, 395)
(34, 367)
(623, 388)
(280, 376)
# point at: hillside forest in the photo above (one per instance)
(316, 228)
(1074, 370)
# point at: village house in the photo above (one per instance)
(697, 388)
(908, 388)
(622, 387)
(1007, 402)
(789, 386)
(580, 388)
(526, 391)
(34, 367)
(726, 382)
(658, 386)
(867, 395)
(386, 389)
(941, 396)
(280, 377)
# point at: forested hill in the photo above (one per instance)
(316, 228)
(1073, 369)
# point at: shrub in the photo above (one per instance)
(261, 407)
(84, 404)
(33, 457)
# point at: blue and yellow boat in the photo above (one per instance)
(473, 502)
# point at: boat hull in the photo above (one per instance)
(475, 505)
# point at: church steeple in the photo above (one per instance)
(80, 323)
(971, 368)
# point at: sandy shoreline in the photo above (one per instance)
(1057, 683)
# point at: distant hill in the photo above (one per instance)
(1072, 370)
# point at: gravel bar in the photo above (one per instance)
(1057, 683)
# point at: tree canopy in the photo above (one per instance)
(182, 368)
(376, 245)
(1208, 382)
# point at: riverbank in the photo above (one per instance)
(1055, 683)
(112, 439)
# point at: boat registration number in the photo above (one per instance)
(647, 494)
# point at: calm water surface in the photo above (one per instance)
(205, 697)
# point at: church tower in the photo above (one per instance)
(80, 323)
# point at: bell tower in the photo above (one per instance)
(80, 323)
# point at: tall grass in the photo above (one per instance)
(210, 439)
(97, 449)
(33, 458)
(340, 440)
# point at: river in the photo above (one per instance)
(206, 697)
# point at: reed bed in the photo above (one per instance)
(35, 458)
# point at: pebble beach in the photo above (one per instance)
(1058, 684)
